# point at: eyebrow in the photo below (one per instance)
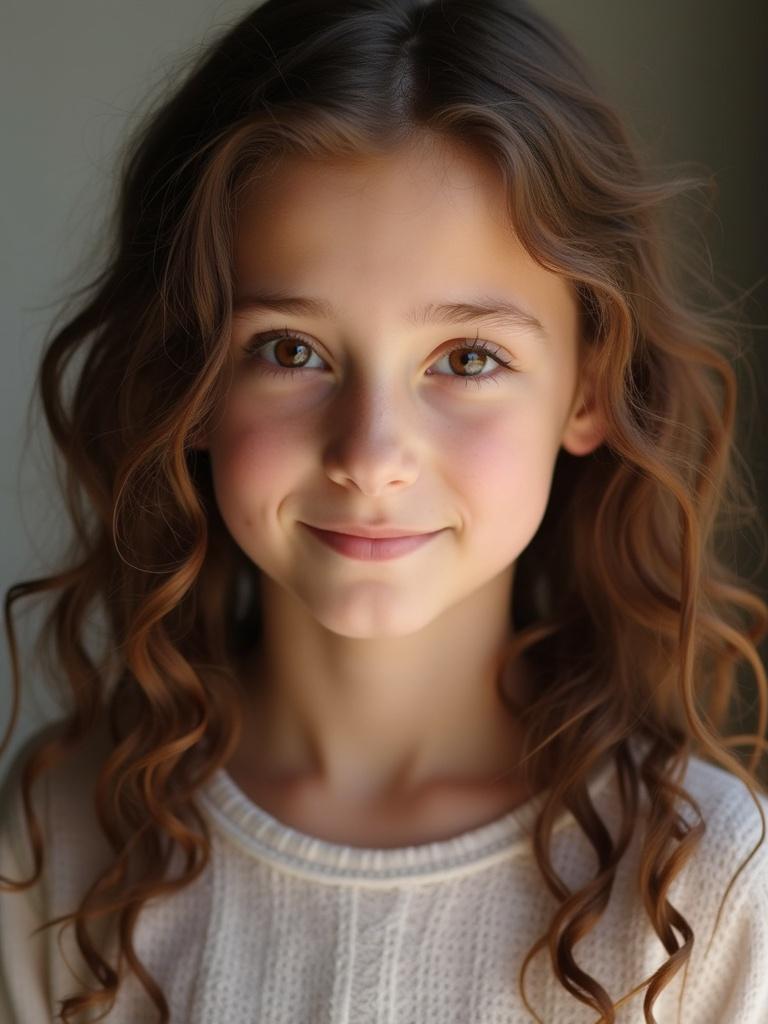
(502, 312)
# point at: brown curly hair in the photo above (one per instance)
(631, 622)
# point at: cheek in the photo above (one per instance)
(503, 472)
(253, 464)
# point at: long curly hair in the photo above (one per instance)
(631, 622)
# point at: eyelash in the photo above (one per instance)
(264, 338)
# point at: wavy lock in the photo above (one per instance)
(630, 621)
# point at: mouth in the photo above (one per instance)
(368, 549)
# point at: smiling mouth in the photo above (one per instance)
(368, 549)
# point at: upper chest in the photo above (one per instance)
(437, 814)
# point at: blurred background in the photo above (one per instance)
(690, 77)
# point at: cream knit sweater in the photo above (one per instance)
(284, 928)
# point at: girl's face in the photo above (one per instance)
(379, 422)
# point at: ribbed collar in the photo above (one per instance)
(261, 835)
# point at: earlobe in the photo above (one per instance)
(585, 430)
(583, 438)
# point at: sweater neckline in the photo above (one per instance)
(261, 835)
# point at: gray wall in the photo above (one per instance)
(689, 74)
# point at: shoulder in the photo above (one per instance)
(731, 812)
(62, 799)
(735, 830)
(40, 964)
(732, 854)
(723, 894)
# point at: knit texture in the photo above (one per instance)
(285, 928)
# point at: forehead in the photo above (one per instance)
(380, 235)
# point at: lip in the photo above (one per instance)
(380, 532)
(371, 549)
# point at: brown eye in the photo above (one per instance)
(471, 357)
(467, 359)
(290, 350)
(293, 350)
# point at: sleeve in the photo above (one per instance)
(24, 987)
(731, 982)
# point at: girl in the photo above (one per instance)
(395, 462)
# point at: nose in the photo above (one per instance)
(371, 443)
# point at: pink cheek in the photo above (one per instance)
(487, 456)
(255, 458)
(500, 470)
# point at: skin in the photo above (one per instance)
(374, 699)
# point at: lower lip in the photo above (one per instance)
(366, 549)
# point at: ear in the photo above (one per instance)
(585, 428)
